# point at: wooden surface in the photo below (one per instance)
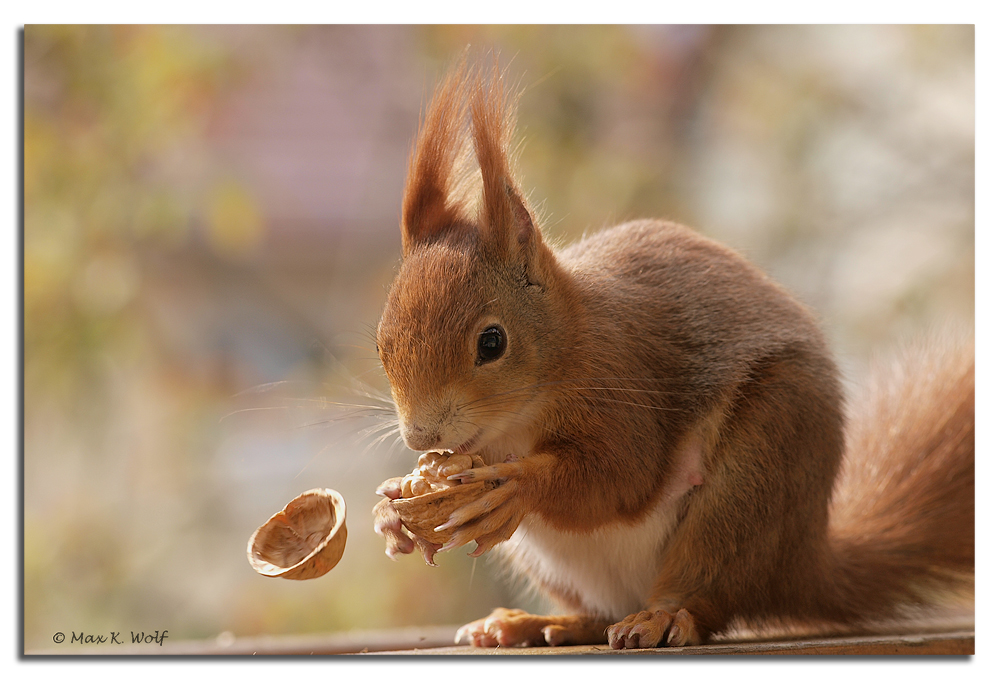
(945, 643)
(438, 641)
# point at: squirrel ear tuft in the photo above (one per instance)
(431, 201)
(442, 179)
(505, 219)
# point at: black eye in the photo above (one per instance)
(492, 343)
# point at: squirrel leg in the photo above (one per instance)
(751, 543)
(513, 627)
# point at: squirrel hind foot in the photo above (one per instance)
(652, 628)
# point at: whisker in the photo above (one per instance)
(378, 428)
(313, 458)
(635, 404)
(338, 418)
(579, 384)
(262, 388)
(323, 402)
(250, 410)
(382, 438)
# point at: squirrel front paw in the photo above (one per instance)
(513, 627)
(648, 629)
(492, 518)
(388, 524)
(503, 627)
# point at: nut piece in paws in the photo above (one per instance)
(425, 498)
(423, 513)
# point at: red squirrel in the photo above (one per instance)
(666, 423)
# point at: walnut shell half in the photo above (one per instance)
(422, 513)
(304, 540)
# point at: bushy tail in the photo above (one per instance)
(902, 524)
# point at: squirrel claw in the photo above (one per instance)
(427, 550)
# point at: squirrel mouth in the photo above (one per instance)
(468, 445)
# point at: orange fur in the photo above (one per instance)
(666, 421)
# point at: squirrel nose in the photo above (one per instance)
(419, 438)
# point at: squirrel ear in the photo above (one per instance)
(435, 172)
(521, 233)
(505, 219)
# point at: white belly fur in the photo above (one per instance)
(611, 569)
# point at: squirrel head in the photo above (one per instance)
(462, 335)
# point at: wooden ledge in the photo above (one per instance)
(437, 641)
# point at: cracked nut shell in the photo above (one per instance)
(304, 540)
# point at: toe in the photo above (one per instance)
(683, 631)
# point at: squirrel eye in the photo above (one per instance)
(492, 343)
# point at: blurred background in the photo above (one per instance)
(211, 223)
